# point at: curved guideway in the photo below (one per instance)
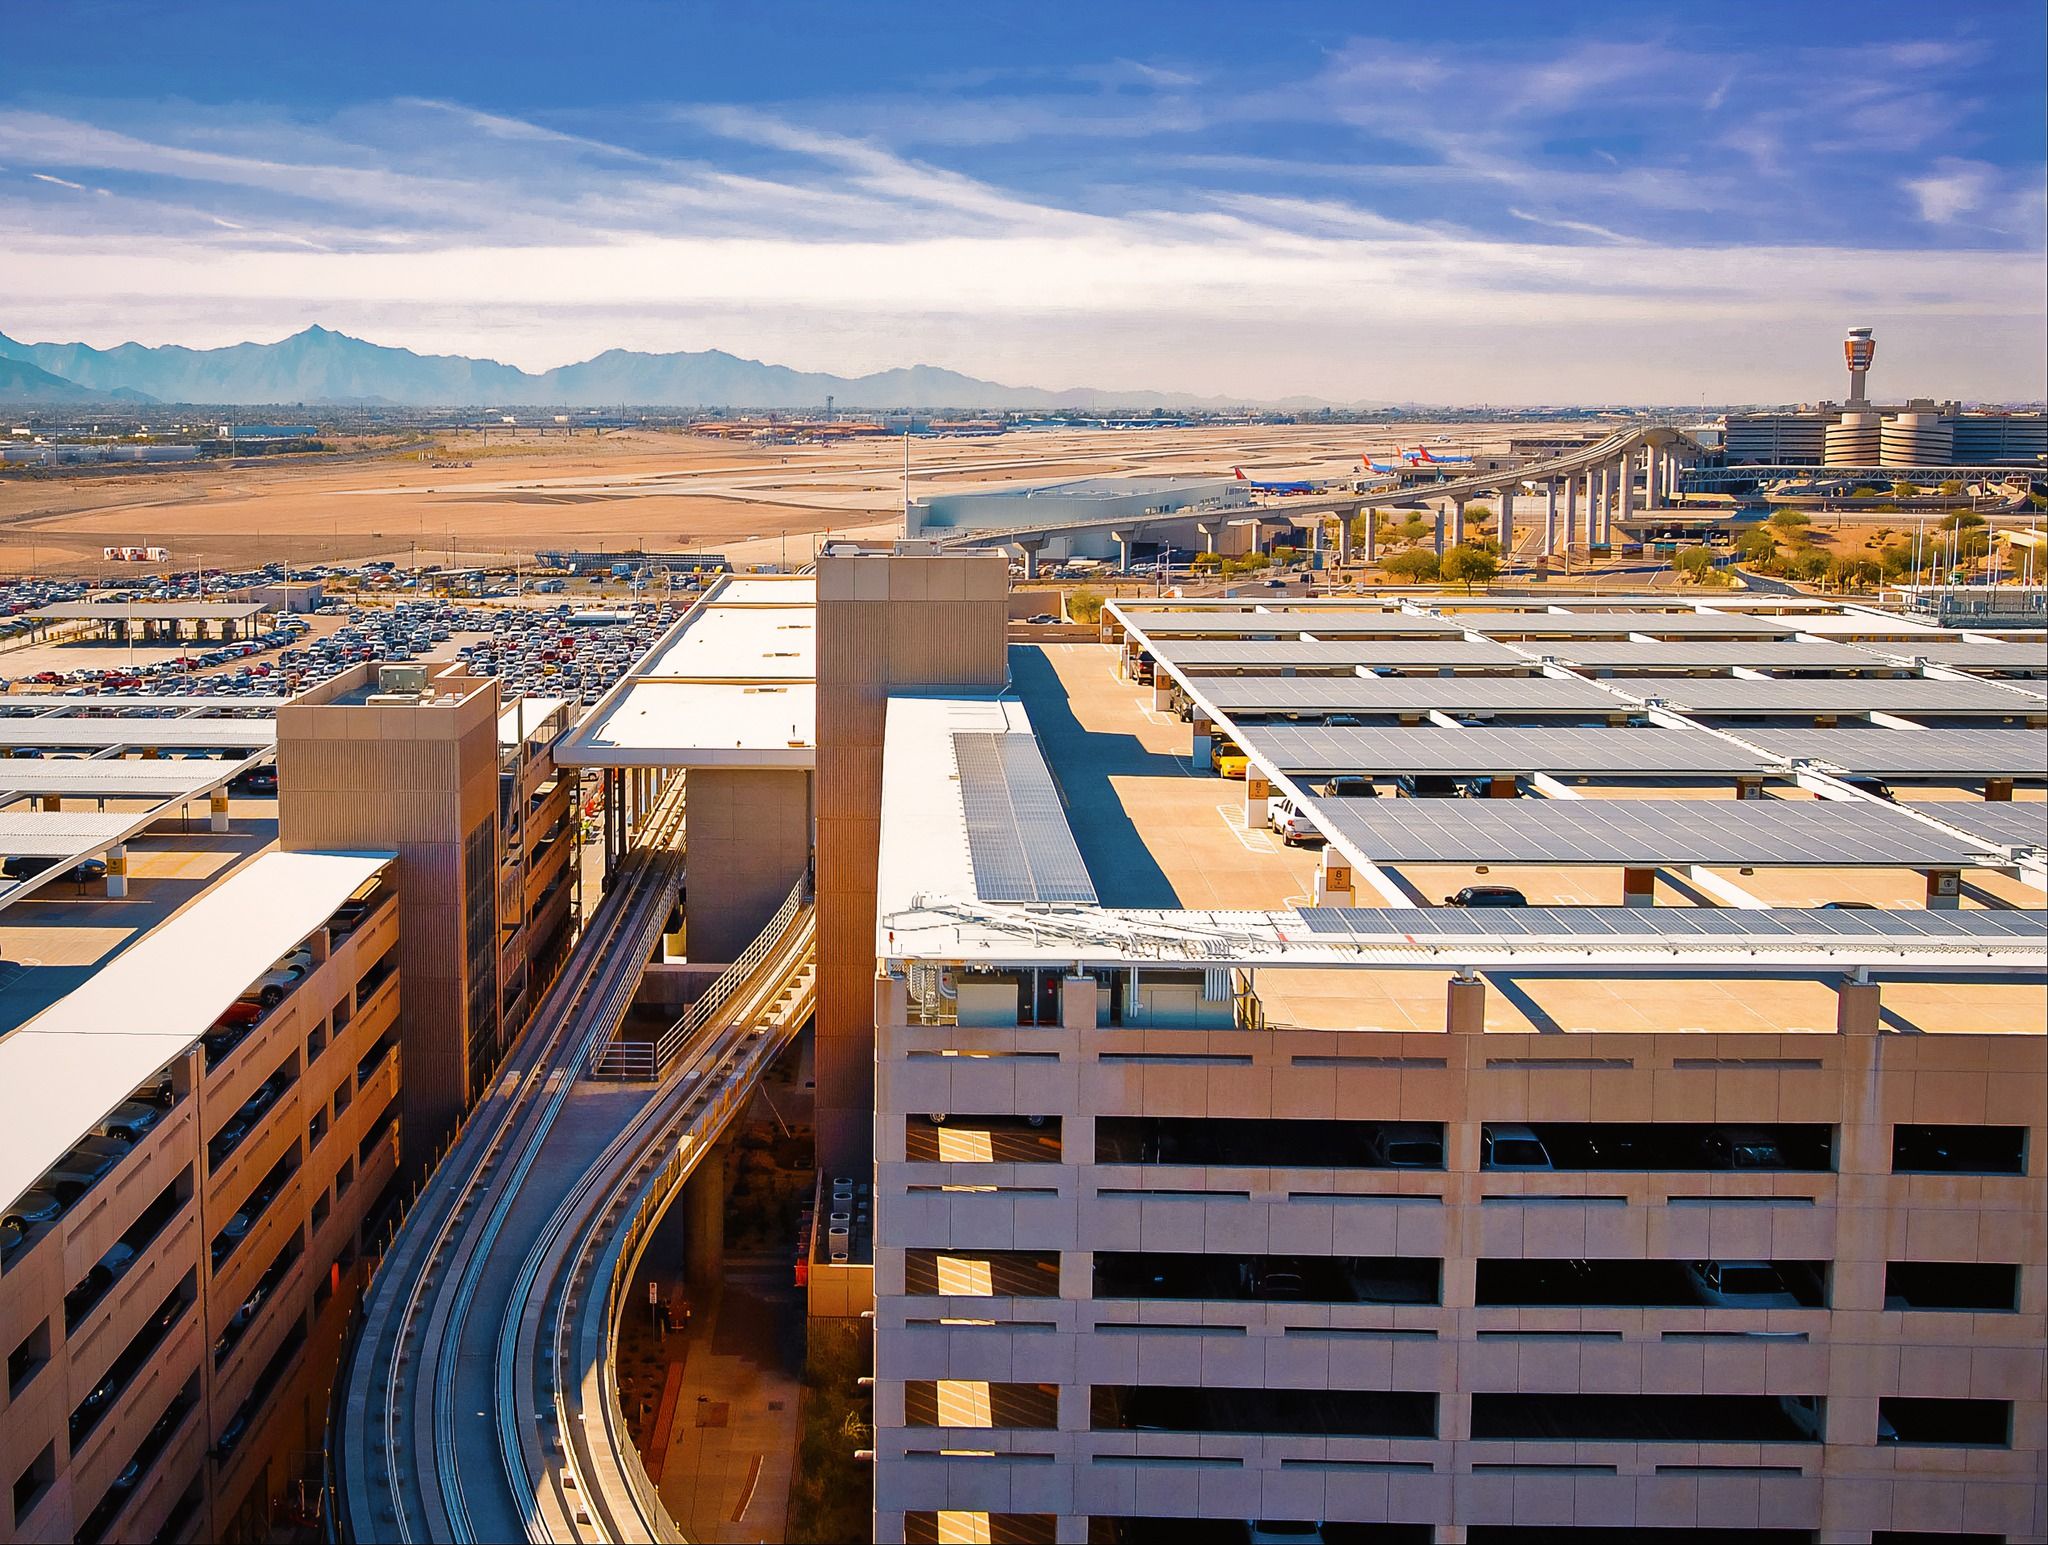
(486, 1335)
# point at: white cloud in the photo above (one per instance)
(1953, 189)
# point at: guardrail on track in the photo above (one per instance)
(644, 1060)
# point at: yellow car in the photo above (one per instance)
(1232, 763)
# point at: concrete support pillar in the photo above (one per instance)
(1998, 790)
(1502, 786)
(219, 810)
(1207, 529)
(1080, 1002)
(1031, 548)
(1507, 525)
(1749, 787)
(1257, 791)
(1457, 522)
(53, 802)
(1944, 889)
(1465, 1006)
(1628, 487)
(1372, 536)
(1335, 886)
(1439, 533)
(1550, 518)
(1596, 533)
(1639, 887)
(1651, 464)
(1204, 751)
(1124, 541)
(117, 871)
(1344, 519)
(1856, 1008)
(1571, 515)
(704, 1221)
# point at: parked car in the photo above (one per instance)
(1347, 787)
(1408, 1145)
(1741, 1148)
(1232, 763)
(1740, 1285)
(1429, 786)
(1510, 1146)
(1486, 896)
(1291, 822)
(130, 1120)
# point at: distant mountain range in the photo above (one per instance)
(323, 366)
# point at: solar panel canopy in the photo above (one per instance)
(1017, 833)
(1808, 832)
(1763, 654)
(1904, 694)
(1611, 752)
(1280, 654)
(1656, 624)
(1733, 925)
(1331, 624)
(1397, 694)
(2007, 823)
(1882, 753)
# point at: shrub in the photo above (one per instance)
(1469, 565)
(1084, 606)
(1418, 565)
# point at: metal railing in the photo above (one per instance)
(642, 1060)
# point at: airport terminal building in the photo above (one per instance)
(1082, 501)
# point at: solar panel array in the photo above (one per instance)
(1814, 832)
(57, 834)
(1763, 654)
(1265, 654)
(1880, 753)
(1607, 751)
(1734, 925)
(1398, 694)
(1904, 695)
(1656, 624)
(1971, 654)
(2007, 824)
(1017, 834)
(1293, 623)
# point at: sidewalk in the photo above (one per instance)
(730, 1391)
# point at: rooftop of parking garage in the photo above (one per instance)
(732, 684)
(1181, 878)
(65, 1069)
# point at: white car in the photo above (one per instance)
(1291, 822)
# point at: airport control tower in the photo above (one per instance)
(1859, 348)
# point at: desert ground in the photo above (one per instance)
(500, 497)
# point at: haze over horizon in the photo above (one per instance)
(1462, 204)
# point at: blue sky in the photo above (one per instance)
(1444, 202)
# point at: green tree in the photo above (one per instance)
(1809, 564)
(1789, 522)
(1757, 546)
(1415, 528)
(1084, 606)
(1905, 490)
(1694, 564)
(1206, 562)
(1475, 512)
(1952, 488)
(1418, 566)
(1896, 561)
(1962, 520)
(1469, 565)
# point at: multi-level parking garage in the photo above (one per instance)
(1685, 1177)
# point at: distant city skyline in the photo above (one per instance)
(1445, 203)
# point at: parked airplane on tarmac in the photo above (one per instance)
(1302, 487)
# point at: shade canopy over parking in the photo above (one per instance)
(1300, 750)
(65, 1070)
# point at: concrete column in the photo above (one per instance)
(1856, 1009)
(1944, 889)
(1457, 522)
(1651, 462)
(53, 802)
(1571, 515)
(1204, 751)
(1749, 787)
(1439, 533)
(1123, 550)
(1550, 518)
(1208, 533)
(1465, 1006)
(1596, 535)
(117, 871)
(1344, 519)
(704, 1221)
(1080, 1002)
(1372, 536)
(1031, 548)
(1334, 884)
(1639, 887)
(219, 804)
(1507, 525)
(1256, 792)
(1628, 486)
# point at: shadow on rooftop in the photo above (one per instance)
(1082, 762)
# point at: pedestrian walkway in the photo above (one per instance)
(730, 1401)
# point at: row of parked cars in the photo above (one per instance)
(82, 1168)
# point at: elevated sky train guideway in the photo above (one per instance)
(480, 1400)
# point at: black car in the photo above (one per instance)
(1430, 785)
(1487, 896)
(254, 780)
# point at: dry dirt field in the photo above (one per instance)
(664, 491)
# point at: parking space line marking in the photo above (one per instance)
(1251, 841)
